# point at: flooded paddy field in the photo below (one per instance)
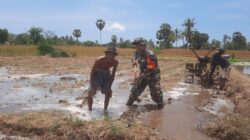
(187, 107)
(66, 92)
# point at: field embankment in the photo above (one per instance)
(56, 125)
(235, 126)
(32, 126)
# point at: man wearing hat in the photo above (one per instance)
(100, 76)
(219, 60)
(149, 75)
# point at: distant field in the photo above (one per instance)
(187, 53)
(75, 50)
(96, 51)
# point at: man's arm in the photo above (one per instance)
(114, 71)
(92, 72)
(212, 69)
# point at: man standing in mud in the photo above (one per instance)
(149, 75)
(218, 60)
(100, 76)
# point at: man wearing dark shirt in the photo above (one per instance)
(219, 60)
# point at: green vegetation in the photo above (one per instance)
(166, 37)
(36, 35)
(77, 33)
(47, 49)
(238, 61)
(189, 25)
(3, 35)
(114, 40)
(115, 131)
(199, 39)
(235, 60)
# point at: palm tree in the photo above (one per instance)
(114, 40)
(77, 33)
(177, 36)
(182, 36)
(100, 25)
(189, 24)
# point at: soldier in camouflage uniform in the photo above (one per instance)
(149, 75)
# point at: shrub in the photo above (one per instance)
(59, 53)
(45, 48)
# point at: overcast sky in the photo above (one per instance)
(125, 18)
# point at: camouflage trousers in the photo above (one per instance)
(142, 82)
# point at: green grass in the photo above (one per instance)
(238, 61)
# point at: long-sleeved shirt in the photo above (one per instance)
(141, 58)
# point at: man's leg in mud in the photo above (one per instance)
(106, 100)
(136, 90)
(155, 92)
(91, 93)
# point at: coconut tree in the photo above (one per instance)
(114, 40)
(177, 36)
(100, 25)
(77, 33)
(182, 37)
(188, 24)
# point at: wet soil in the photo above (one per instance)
(187, 107)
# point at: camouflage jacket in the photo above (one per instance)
(141, 59)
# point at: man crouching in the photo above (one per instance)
(100, 76)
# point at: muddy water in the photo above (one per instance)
(5, 137)
(244, 68)
(187, 108)
(41, 92)
(185, 116)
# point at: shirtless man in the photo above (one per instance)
(100, 76)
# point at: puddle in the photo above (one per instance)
(41, 92)
(186, 115)
(187, 106)
(5, 137)
(243, 68)
(3, 71)
(181, 89)
(219, 107)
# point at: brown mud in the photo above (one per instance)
(186, 112)
(234, 126)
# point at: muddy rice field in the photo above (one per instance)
(45, 98)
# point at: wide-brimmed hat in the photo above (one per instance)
(111, 50)
(139, 41)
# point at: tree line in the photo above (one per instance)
(166, 38)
